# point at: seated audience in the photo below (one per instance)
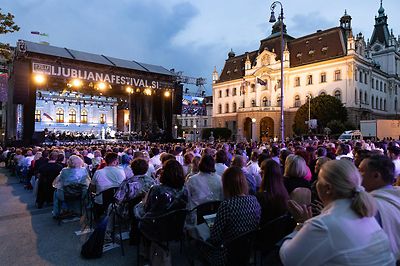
(295, 171)
(205, 185)
(73, 174)
(378, 176)
(273, 196)
(238, 213)
(345, 233)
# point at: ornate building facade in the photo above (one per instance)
(365, 76)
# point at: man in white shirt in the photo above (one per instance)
(155, 160)
(394, 154)
(378, 174)
(28, 159)
(254, 169)
(220, 162)
(109, 177)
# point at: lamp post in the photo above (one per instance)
(309, 112)
(175, 131)
(195, 133)
(273, 20)
(253, 129)
(129, 90)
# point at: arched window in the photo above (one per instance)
(72, 116)
(338, 95)
(278, 100)
(227, 108)
(38, 116)
(265, 101)
(234, 107)
(297, 101)
(220, 109)
(84, 117)
(361, 98)
(234, 92)
(355, 96)
(253, 103)
(372, 102)
(380, 104)
(322, 93)
(365, 97)
(102, 118)
(60, 115)
(376, 103)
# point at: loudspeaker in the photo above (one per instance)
(178, 96)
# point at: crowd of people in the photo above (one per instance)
(343, 197)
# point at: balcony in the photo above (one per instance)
(259, 109)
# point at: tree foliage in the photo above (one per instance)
(7, 25)
(324, 108)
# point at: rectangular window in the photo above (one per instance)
(323, 77)
(297, 81)
(205, 122)
(355, 74)
(372, 83)
(309, 80)
(220, 94)
(361, 77)
(102, 118)
(338, 75)
(366, 78)
(234, 92)
(384, 87)
(227, 93)
(38, 116)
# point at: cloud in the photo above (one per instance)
(300, 25)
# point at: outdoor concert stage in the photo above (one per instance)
(59, 90)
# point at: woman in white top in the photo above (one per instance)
(346, 232)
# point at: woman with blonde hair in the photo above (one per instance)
(294, 173)
(74, 174)
(346, 232)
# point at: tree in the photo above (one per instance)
(324, 108)
(7, 25)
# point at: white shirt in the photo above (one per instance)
(108, 177)
(338, 236)
(220, 168)
(203, 187)
(155, 161)
(396, 168)
(254, 170)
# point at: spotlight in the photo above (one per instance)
(39, 79)
(147, 92)
(129, 89)
(76, 83)
(167, 94)
(101, 85)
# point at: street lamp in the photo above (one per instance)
(253, 129)
(273, 20)
(175, 131)
(195, 133)
(309, 112)
(129, 90)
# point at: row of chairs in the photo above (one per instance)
(260, 242)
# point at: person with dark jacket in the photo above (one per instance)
(46, 175)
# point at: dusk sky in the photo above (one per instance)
(190, 36)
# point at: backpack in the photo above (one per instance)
(93, 247)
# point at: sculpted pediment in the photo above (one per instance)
(266, 58)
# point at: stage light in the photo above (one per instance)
(167, 94)
(147, 92)
(129, 89)
(39, 79)
(76, 83)
(101, 85)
